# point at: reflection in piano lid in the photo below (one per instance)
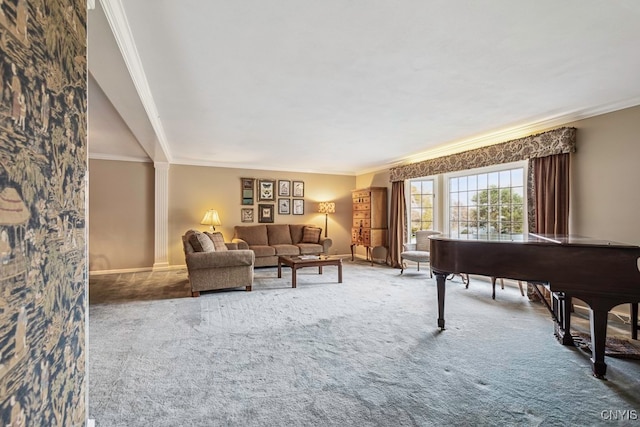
(570, 239)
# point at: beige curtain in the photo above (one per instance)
(398, 225)
(551, 193)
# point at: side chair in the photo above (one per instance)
(419, 251)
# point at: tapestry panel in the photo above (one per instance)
(43, 162)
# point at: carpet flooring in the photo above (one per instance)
(366, 352)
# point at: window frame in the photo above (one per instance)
(436, 205)
(524, 164)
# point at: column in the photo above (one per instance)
(161, 258)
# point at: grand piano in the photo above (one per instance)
(601, 273)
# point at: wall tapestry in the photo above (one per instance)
(42, 212)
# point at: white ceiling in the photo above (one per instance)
(349, 86)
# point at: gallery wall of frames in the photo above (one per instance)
(262, 199)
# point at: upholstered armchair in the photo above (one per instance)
(418, 252)
(214, 264)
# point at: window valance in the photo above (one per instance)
(557, 141)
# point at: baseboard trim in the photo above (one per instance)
(135, 270)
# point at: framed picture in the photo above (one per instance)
(246, 215)
(266, 190)
(247, 188)
(284, 188)
(298, 188)
(265, 213)
(283, 206)
(298, 206)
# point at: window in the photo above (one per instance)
(421, 209)
(490, 203)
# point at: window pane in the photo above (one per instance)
(473, 198)
(505, 178)
(517, 194)
(472, 182)
(483, 181)
(453, 184)
(517, 177)
(462, 183)
(464, 198)
(494, 195)
(493, 179)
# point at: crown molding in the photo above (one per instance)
(119, 158)
(193, 162)
(115, 14)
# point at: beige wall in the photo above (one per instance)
(605, 199)
(194, 189)
(121, 215)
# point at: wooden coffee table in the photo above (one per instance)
(296, 262)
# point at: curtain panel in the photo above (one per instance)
(398, 224)
(551, 194)
(557, 141)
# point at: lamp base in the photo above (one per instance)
(326, 221)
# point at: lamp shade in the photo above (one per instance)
(327, 207)
(211, 218)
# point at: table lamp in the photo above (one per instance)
(211, 218)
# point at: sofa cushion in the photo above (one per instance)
(287, 250)
(296, 232)
(279, 234)
(252, 234)
(263, 250)
(218, 241)
(200, 241)
(311, 234)
(310, 248)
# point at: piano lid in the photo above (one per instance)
(533, 238)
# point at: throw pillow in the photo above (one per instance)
(311, 234)
(218, 241)
(201, 242)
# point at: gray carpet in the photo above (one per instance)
(366, 352)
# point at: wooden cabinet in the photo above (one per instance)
(369, 222)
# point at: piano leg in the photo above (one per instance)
(598, 339)
(441, 279)
(563, 317)
(634, 321)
